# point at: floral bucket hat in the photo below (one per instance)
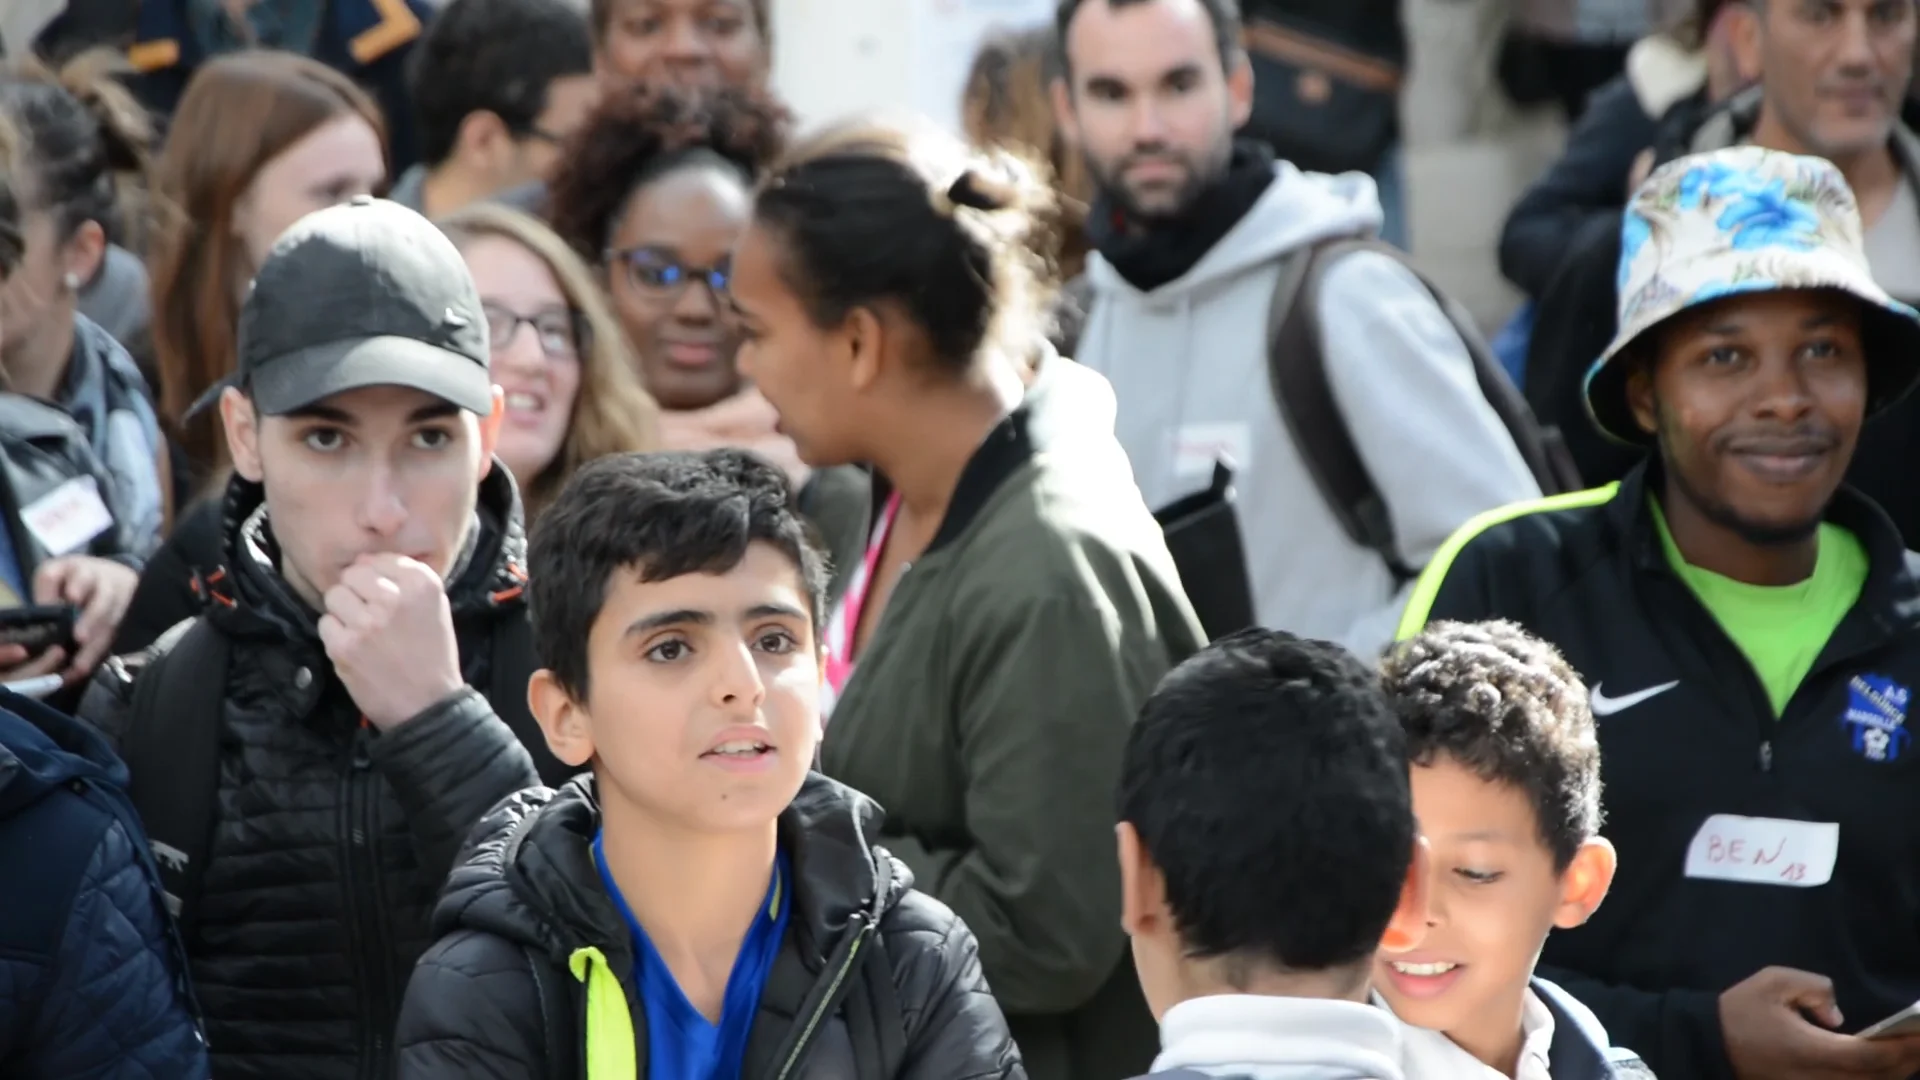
(1739, 221)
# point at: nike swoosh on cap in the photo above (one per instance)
(1602, 705)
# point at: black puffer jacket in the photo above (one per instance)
(331, 840)
(529, 888)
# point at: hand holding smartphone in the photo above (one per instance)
(1904, 1024)
(38, 628)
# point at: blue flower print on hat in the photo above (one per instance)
(1736, 222)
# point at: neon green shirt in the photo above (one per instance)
(1780, 628)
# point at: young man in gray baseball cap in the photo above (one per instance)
(328, 735)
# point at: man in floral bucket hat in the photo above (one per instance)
(1750, 630)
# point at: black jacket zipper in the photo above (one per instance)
(840, 965)
(367, 920)
(1724, 662)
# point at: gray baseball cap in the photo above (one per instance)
(367, 293)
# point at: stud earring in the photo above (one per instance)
(71, 281)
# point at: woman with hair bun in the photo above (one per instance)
(655, 189)
(1016, 604)
(83, 136)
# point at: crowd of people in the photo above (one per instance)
(515, 561)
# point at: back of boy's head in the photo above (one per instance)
(1505, 706)
(1267, 782)
(661, 515)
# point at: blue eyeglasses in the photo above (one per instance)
(658, 270)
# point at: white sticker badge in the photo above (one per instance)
(64, 519)
(1197, 446)
(1764, 851)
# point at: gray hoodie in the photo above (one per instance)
(1188, 365)
(117, 298)
(410, 191)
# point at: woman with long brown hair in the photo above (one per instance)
(558, 353)
(260, 140)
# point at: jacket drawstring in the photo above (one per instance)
(610, 1051)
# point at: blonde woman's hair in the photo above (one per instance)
(612, 413)
(1007, 103)
(13, 246)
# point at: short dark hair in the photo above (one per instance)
(497, 56)
(1225, 15)
(662, 515)
(642, 131)
(867, 212)
(1268, 782)
(1507, 707)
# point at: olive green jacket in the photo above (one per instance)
(990, 710)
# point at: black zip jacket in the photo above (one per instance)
(331, 840)
(1581, 1048)
(528, 893)
(1587, 573)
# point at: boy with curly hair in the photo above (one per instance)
(1505, 772)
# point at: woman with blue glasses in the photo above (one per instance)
(656, 188)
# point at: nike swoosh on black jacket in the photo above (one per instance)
(1587, 572)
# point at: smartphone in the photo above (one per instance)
(1901, 1025)
(38, 628)
(36, 688)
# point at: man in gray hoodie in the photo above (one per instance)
(1191, 231)
(1267, 849)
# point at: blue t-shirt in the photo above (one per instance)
(681, 1043)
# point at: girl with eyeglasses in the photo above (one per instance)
(558, 353)
(656, 188)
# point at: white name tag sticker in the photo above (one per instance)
(1764, 851)
(1197, 446)
(64, 519)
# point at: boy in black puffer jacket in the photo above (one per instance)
(703, 905)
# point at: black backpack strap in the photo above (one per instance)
(1297, 366)
(556, 1018)
(172, 751)
(1541, 447)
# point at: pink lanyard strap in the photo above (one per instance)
(846, 619)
